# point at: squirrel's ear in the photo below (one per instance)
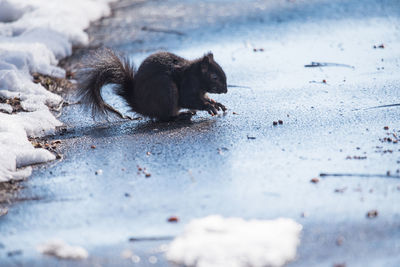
(210, 55)
(204, 64)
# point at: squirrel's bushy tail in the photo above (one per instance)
(101, 68)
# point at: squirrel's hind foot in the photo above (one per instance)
(186, 115)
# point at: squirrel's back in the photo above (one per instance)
(161, 63)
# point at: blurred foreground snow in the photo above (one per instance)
(34, 35)
(218, 241)
(62, 250)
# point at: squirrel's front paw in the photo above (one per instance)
(211, 109)
(219, 106)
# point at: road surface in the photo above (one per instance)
(236, 164)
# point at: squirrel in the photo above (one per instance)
(162, 85)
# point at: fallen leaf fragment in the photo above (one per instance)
(173, 219)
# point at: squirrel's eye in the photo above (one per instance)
(214, 76)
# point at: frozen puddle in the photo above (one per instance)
(218, 241)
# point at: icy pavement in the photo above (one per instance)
(238, 164)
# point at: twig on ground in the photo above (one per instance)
(156, 238)
(239, 86)
(382, 106)
(327, 64)
(362, 175)
(151, 29)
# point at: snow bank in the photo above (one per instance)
(34, 35)
(234, 242)
(62, 250)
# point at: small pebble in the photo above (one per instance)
(92, 146)
(372, 214)
(280, 121)
(314, 180)
(275, 123)
(340, 190)
(386, 128)
(339, 240)
(99, 172)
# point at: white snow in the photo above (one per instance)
(34, 35)
(62, 250)
(234, 242)
(6, 108)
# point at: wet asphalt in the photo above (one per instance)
(237, 163)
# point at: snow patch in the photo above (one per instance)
(16, 150)
(62, 250)
(6, 108)
(34, 35)
(235, 242)
(10, 11)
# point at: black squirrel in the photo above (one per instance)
(163, 84)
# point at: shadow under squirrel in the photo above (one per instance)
(163, 84)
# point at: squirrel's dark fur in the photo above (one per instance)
(163, 84)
